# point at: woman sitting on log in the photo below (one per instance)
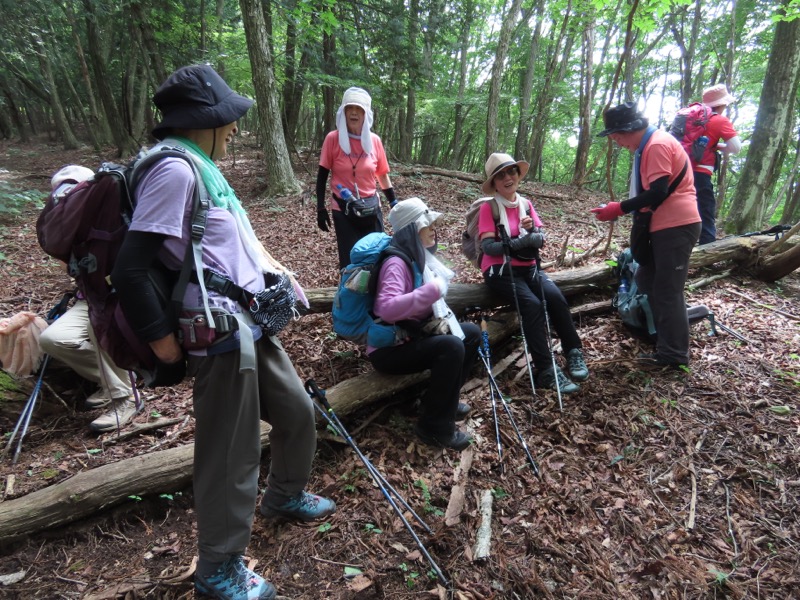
(421, 331)
(509, 225)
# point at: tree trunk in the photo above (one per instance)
(328, 92)
(586, 102)
(460, 113)
(772, 128)
(13, 110)
(291, 99)
(544, 99)
(122, 140)
(495, 85)
(61, 122)
(279, 174)
(149, 44)
(96, 115)
(526, 89)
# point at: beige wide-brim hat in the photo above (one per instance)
(412, 210)
(717, 95)
(496, 163)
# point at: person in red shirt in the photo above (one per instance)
(674, 227)
(721, 136)
(355, 159)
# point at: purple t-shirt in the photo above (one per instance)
(164, 206)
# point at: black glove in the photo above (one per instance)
(165, 374)
(323, 219)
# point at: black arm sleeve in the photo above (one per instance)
(390, 195)
(492, 247)
(658, 192)
(322, 183)
(137, 294)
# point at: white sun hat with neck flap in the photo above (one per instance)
(355, 96)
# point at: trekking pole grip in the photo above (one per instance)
(313, 390)
(485, 336)
(504, 237)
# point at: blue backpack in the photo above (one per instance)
(355, 296)
(632, 306)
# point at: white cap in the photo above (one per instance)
(70, 174)
(412, 210)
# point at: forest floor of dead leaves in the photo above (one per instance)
(654, 484)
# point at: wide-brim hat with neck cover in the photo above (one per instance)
(717, 95)
(623, 118)
(355, 96)
(196, 97)
(496, 163)
(412, 210)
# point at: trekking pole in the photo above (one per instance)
(507, 255)
(313, 390)
(376, 475)
(483, 350)
(25, 417)
(27, 412)
(496, 387)
(549, 334)
(726, 329)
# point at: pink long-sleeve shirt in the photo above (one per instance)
(397, 299)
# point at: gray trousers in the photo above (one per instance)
(71, 340)
(664, 282)
(228, 407)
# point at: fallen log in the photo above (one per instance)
(460, 297)
(167, 470)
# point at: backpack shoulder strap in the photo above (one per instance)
(386, 253)
(201, 203)
(495, 210)
(674, 185)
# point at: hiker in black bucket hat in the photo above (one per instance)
(241, 372)
(666, 224)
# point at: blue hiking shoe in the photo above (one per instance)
(546, 379)
(303, 507)
(234, 581)
(578, 371)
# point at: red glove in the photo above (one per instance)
(608, 212)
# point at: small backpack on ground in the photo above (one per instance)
(355, 296)
(688, 126)
(632, 306)
(85, 226)
(470, 238)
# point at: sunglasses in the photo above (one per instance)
(509, 172)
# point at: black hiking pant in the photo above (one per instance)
(529, 293)
(450, 360)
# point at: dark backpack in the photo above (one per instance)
(632, 306)
(355, 296)
(85, 226)
(688, 126)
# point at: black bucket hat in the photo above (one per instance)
(625, 117)
(196, 97)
